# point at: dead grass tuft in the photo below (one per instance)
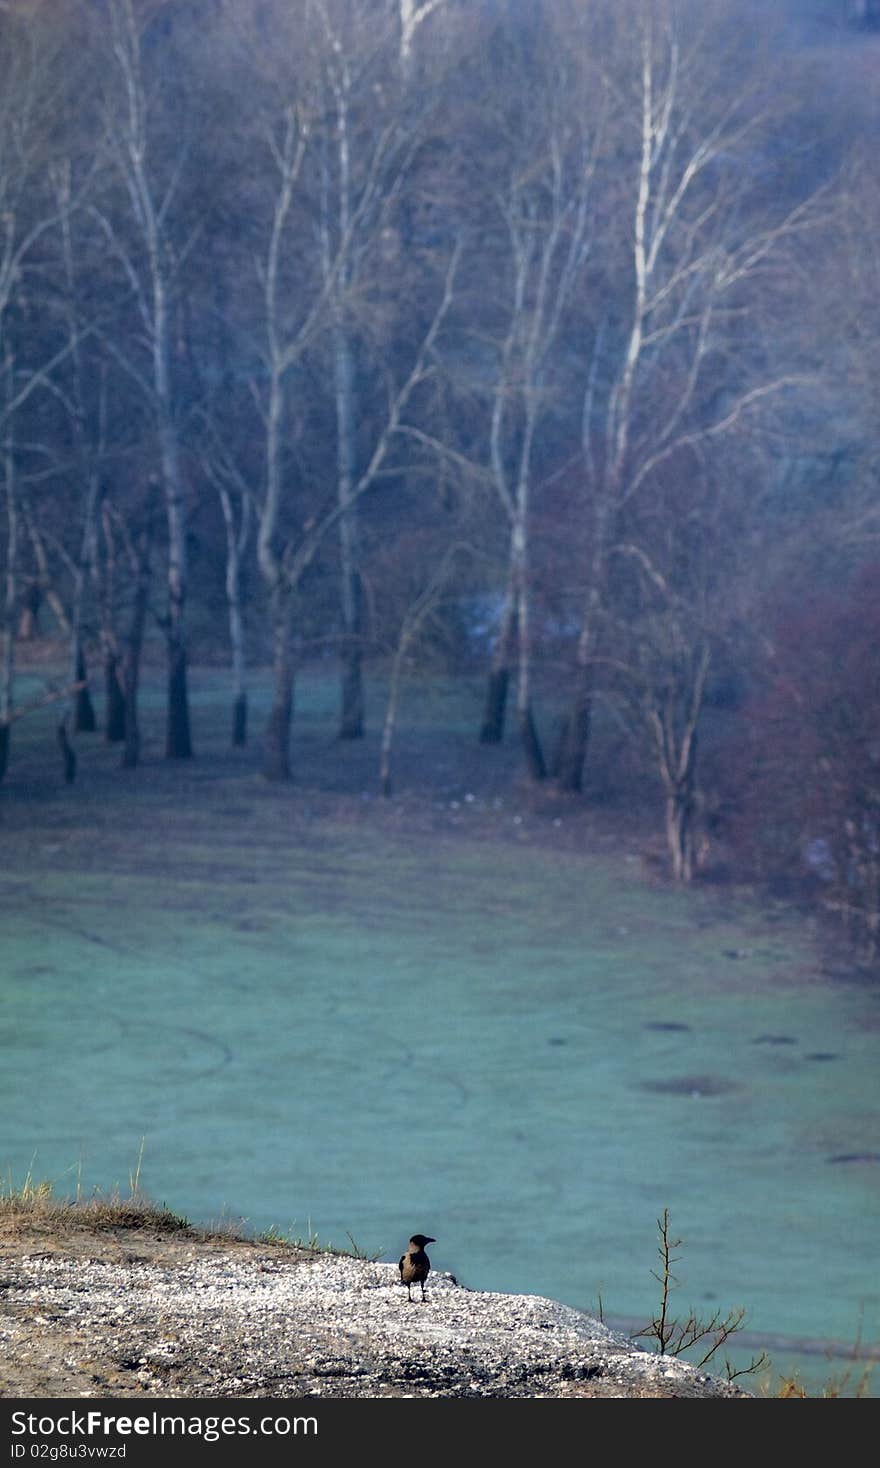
(37, 1205)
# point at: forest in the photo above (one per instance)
(535, 340)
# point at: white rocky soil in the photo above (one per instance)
(179, 1318)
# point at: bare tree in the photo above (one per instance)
(137, 547)
(32, 91)
(369, 148)
(413, 14)
(672, 366)
(664, 686)
(40, 586)
(108, 589)
(88, 425)
(10, 596)
(283, 570)
(848, 313)
(343, 183)
(237, 507)
(542, 202)
(299, 138)
(284, 346)
(149, 251)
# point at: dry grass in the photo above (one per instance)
(35, 1204)
(854, 1381)
(35, 1207)
(851, 1384)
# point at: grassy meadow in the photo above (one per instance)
(467, 1010)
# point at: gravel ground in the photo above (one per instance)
(138, 1313)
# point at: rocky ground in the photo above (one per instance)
(147, 1312)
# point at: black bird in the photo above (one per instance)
(415, 1265)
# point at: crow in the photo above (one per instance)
(415, 1264)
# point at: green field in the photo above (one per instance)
(465, 1011)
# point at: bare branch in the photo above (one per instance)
(54, 695)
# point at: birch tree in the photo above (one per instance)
(422, 611)
(236, 496)
(677, 612)
(305, 133)
(678, 361)
(541, 199)
(10, 588)
(88, 419)
(149, 248)
(33, 91)
(374, 129)
(412, 16)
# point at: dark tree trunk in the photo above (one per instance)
(680, 812)
(132, 751)
(9, 600)
(572, 750)
(178, 743)
(351, 724)
(114, 726)
(385, 782)
(105, 582)
(68, 755)
(674, 723)
(276, 759)
(237, 533)
(28, 625)
(492, 727)
(84, 721)
(43, 585)
(682, 805)
(535, 763)
(276, 747)
(239, 721)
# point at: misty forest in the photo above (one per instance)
(450, 406)
(422, 334)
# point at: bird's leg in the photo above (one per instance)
(424, 1296)
(409, 1291)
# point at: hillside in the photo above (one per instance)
(158, 1311)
